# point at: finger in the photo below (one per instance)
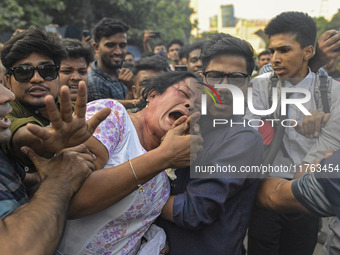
(325, 119)
(53, 112)
(65, 104)
(328, 153)
(298, 128)
(82, 148)
(195, 128)
(317, 124)
(123, 71)
(91, 165)
(35, 158)
(317, 161)
(195, 117)
(40, 132)
(88, 159)
(181, 129)
(179, 121)
(326, 35)
(311, 126)
(130, 75)
(305, 129)
(97, 119)
(80, 107)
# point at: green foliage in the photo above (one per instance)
(323, 25)
(170, 17)
(23, 13)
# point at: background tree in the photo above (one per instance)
(170, 17)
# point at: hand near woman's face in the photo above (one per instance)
(182, 146)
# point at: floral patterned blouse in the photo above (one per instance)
(119, 228)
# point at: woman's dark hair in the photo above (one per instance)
(32, 40)
(297, 23)
(220, 44)
(162, 82)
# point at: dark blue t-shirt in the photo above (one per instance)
(211, 214)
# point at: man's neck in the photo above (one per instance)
(296, 80)
(111, 72)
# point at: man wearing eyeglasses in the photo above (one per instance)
(208, 213)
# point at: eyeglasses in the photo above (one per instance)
(216, 77)
(24, 73)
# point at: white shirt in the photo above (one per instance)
(296, 145)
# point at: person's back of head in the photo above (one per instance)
(297, 23)
(225, 44)
(147, 68)
(76, 49)
(107, 27)
(155, 62)
(32, 40)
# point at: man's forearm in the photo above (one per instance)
(43, 216)
(105, 187)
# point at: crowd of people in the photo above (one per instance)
(99, 151)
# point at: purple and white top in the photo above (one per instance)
(119, 228)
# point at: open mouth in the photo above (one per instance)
(175, 115)
(4, 122)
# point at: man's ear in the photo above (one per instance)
(134, 91)
(8, 82)
(308, 51)
(95, 47)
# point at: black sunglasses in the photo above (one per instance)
(216, 77)
(24, 73)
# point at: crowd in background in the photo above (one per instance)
(94, 137)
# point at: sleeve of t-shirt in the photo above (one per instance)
(311, 194)
(329, 138)
(111, 131)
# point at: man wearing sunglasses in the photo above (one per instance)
(32, 60)
(209, 213)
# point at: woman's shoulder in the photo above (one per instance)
(117, 109)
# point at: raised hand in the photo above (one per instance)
(67, 129)
(181, 146)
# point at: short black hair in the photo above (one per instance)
(155, 62)
(107, 27)
(76, 49)
(220, 44)
(32, 40)
(183, 51)
(297, 23)
(175, 41)
(162, 82)
(265, 52)
(130, 53)
(192, 47)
